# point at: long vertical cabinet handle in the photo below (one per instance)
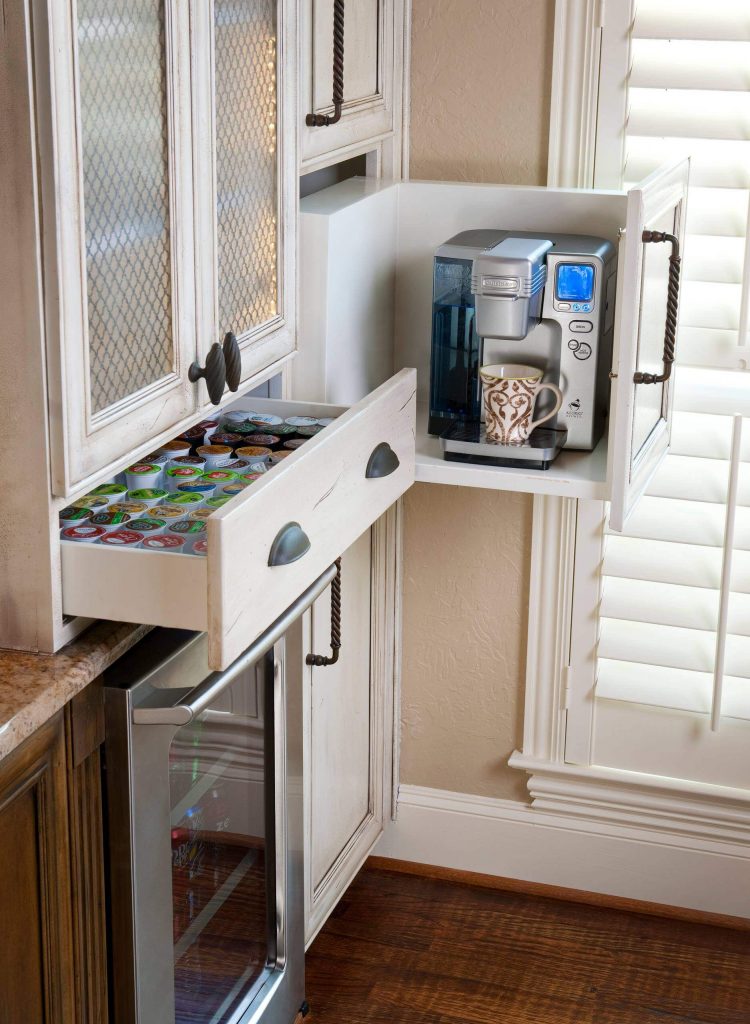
(321, 660)
(673, 299)
(324, 120)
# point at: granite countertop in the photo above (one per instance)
(35, 686)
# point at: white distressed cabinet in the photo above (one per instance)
(168, 166)
(373, 70)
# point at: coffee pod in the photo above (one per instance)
(110, 520)
(217, 501)
(224, 438)
(130, 508)
(91, 502)
(70, 516)
(263, 441)
(209, 428)
(325, 421)
(277, 457)
(164, 542)
(148, 525)
(216, 455)
(193, 436)
(206, 488)
(200, 547)
(307, 432)
(83, 534)
(194, 461)
(190, 530)
(160, 459)
(284, 431)
(301, 421)
(143, 474)
(243, 429)
(250, 478)
(265, 419)
(230, 490)
(254, 453)
(110, 492)
(244, 466)
(175, 448)
(122, 539)
(220, 477)
(177, 475)
(201, 514)
(170, 512)
(233, 416)
(186, 500)
(295, 444)
(149, 496)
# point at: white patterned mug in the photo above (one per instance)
(510, 392)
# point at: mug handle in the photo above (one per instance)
(543, 419)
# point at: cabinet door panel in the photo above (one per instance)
(361, 68)
(121, 310)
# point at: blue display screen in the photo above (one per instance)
(574, 282)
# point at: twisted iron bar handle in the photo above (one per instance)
(673, 296)
(320, 660)
(324, 120)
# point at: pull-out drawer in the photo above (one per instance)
(270, 542)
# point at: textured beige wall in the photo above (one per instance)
(479, 112)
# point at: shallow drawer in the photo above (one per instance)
(234, 593)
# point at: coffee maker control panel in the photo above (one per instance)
(574, 287)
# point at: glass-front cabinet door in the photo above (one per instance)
(118, 229)
(244, 68)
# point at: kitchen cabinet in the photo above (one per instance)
(167, 160)
(53, 962)
(349, 724)
(373, 51)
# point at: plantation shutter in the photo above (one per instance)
(675, 608)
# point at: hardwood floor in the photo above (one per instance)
(402, 949)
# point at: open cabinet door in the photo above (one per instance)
(647, 294)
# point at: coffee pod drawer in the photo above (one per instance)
(272, 540)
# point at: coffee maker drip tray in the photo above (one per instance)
(467, 442)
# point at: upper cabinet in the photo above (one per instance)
(168, 211)
(350, 76)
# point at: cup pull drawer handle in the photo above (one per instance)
(289, 545)
(382, 462)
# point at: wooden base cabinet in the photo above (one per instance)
(349, 723)
(53, 953)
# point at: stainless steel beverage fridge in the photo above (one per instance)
(204, 795)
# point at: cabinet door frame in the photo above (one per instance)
(83, 442)
(266, 348)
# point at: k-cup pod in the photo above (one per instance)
(307, 432)
(130, 508)
(325, 421)
(295, 444)
(122, 539)
(254, 453)
(265, 419)
(231, 440)
(110, 492)
(216, 455)
(301, 421)
(175, 448)
(244, 466)
(148, 526)
(160, 459)
(143, 474)
(284, 431)
(148, 496)
(163, 542)
(209, 428)
(250, 478)
(231, 490)
(187, 500)
(234, 417)
(242, 429)
(263, 441)
(220, 477)
(72, 516)
(200, 514)
(206, 488)
(84, 534)
(190, 530)
(170, 512)
(177, 475)
(194, 461)
(217, 501)
(277, 457)
(200, 548)
(90, 501)
(110, 520)
(193, 436)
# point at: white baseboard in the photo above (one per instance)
(514, 840)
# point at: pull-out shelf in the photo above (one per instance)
(331, 489)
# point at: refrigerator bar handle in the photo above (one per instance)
(206, 693)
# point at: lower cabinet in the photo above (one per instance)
(53, 956)
(348, 723)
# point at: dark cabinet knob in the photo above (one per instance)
(214, 373)
(382, 462)
(233, 359)
(289, 545)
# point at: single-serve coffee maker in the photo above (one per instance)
(541, 300)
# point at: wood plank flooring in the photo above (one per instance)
(402, 949)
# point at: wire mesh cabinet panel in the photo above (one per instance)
(118, 241)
